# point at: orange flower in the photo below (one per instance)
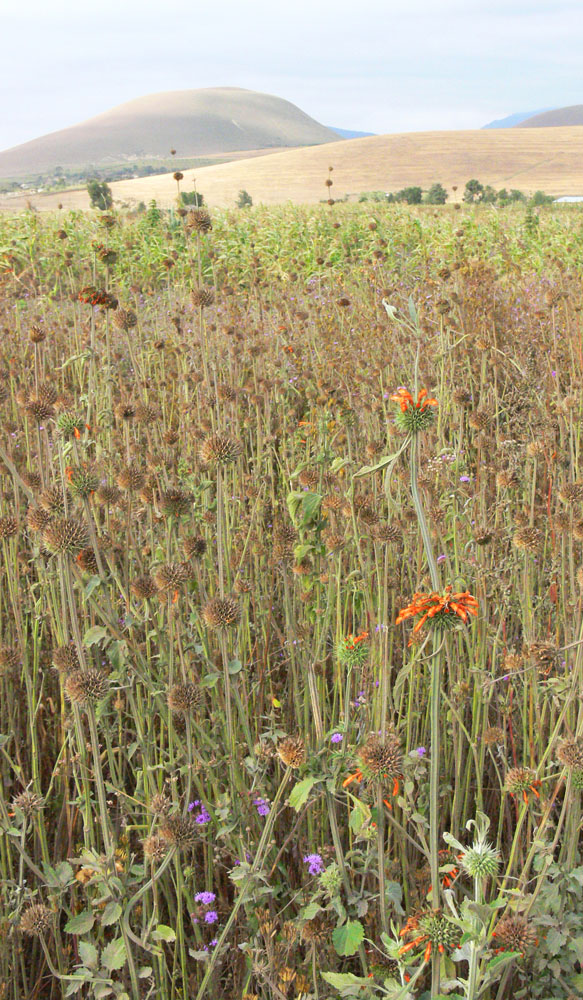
(430, 605)
(405, 400)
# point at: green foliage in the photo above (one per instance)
(347, 937)
(244, 199)
(100, 195)
(410, 195)
(192, 198)
(473, 191)
(436, 195)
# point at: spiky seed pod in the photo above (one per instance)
(52, 500)
(577, 779)
(353, 651)
(562, 522)
(219, 449)
(36, 334)
(195, 547)
(226, 393)
(107, 495)
(131, 478)
(535, 449)
(202, 297)
(482, 536)
(28, 803)
(82, 481)
(571, 493)
(519, 779)
(155, 849)
(333, 541)
(39, 411)
(170, 577)
(36, 920)
(381, 758)
(493, 735)
(182, 831)
(578, 530)
(368, 515)
(160, 804)
(87, 560)
(512, 662)
(124, 319)
(439, 929)
(9, 659)
(8, 526)
(570, 753)
(144, 587)
(221, 612)
(37, 519)
(125, 410)
(332, 502)
(70, 424)
(32, 480)
(183, 698)
(47, 393)
(146, 414)
(310, 478)
(199, 220)
(528, 539)
(292, 751)
(514, 933)
(284, 540)
(65, 536)
(303, 568)
(386, 533)
(481, 860)
(175, 502)
(241, 586)
(507, 479)
(542, 654)
(66, 659)
(480, 420)
(85, 687)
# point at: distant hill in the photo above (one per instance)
(511, 120)
(194, 122)
(346, 133)
(534, 159)
(558, 117)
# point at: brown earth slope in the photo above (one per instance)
(558, 118)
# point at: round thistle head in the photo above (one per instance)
(131, 478)
(155, 849)
(52, 500)
(125, 410)
(292, 751)
(439, 930)
(85, 687)
(219, 449)
(36, 334)
(70, 424)
(36, 920)
(9, 659)
(28, 803)
(222, 612)
(571, 493)
(570, 753)
(514, 933)
(65, 536)
(519, 779)
(37, 519)
(387, 533)
(144, 588)
(31, 479)
(182, 831)
(160, 804)
(481, 860)
(316, 931)
(170, 577)
(493, 735)
(183, 698)
(353, 650)
(528, 539)
(175, 503)
(8, 526)
(194, 547)
(107, 495)
(380, 759)
(202, 296)
(82, 481)
(87, 561)
(66, 659)
(124, 319)
(199, 220)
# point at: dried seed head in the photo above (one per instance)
(143, 587)
(160, 804)
(31, 479)
(66, 659)
(9, 659)
(36, 334)
(8, 526)
(146, 414)
(36, 920)
(480, 420)
(571, 493)
(171, 577)
(292, 751)
(570, 753)
(155, 849)
(194, 547)
(316, 931)
(507, 479)
(284, 540)
(542, 654)
(85, 687)
(107, 496)
(124, 319)
(528, 539)
(125, 410)
(182, 831)
(199, 220)
(39, 411)
(52, 500)
(87, 560)
(519, 779)
(514, 933)
(493, 735)
(65, 536)
(386, 533)
(219, 449)
(28, 802)
(202, 297)
(175, 503)
(222, 612)
(184, 698)
(512, 662)
(37, 519)
(333, 541)
(381, 759)
(131, 478)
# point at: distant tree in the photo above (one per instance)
(540, 198)
(244, 199)
(410, 195)
(473, 190)
(516, 195)
(192, 198)
(489, 195)
(503, 197)
(437, 195)
(100, 195)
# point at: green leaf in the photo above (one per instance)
(88, 953)
(91, 585)
(111, 914)
(144, 971)
(114, 956)
(235, 666)
(300, 792)
(93, 635)
(80, 924)
(502, 959)
(345, 981)
(310, 911)
(347, 938)
(164, 933)
(210, 681)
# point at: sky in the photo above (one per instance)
(370, 65)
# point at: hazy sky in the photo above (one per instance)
(373, 65)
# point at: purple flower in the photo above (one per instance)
(203, 816)
(336, 738)
(314, 863)
(206, 898)
(211, 917)
(420, 751)
(262, 807)
(441, 558)
(464, 479)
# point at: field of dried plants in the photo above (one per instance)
(291, 522)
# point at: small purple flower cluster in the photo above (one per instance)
(262, 806)
(314, 863)
(203, 816)
(205, 899)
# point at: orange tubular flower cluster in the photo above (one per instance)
(405, 400)
(447, 604)
(352, 641)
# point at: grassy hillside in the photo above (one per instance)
(557, 118)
